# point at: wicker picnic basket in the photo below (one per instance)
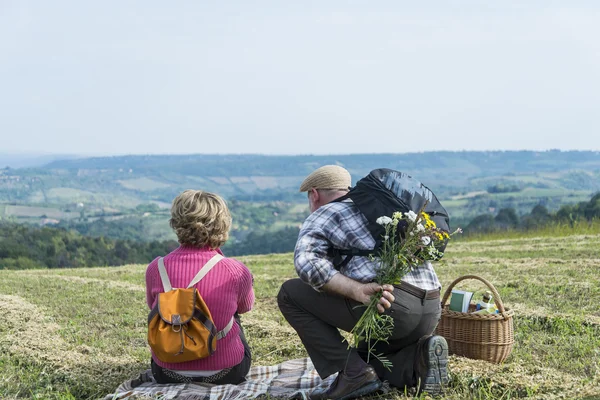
(481, 337)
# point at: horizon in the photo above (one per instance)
(18, 160)
(105, 155)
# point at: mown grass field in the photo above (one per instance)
(79, 333)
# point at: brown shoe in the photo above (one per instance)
(345, 387)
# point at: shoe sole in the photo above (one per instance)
(363, 391)
(437, 368)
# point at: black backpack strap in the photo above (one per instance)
(341, 257)
(339, 261)
(340, 199)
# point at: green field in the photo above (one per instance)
(66, 195)
(78, 333)
(36, 212)
(143, 184)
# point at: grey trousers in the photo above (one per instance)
(316, 316)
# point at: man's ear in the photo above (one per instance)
(315, 195)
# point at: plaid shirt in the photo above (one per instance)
(342, 225)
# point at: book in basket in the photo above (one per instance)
(460, 300)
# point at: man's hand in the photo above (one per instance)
(361, 292)
(367, 290)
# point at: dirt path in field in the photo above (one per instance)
(525, 244)
(27, 333)
(530, 381)
(537, 239)
(101, 282)
(523, 262)
(526, 311)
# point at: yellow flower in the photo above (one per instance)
(428, 222)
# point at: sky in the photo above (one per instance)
(309, 77)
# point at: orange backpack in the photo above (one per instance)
(180, 326)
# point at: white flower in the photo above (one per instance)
(412, 234)
(386, 237)
(420, 228)
(435, 253)
(383, 220)
(397, 215)
(411, 216)
(426, 240)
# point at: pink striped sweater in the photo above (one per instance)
(227, 288)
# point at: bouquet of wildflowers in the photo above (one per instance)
(410, 239)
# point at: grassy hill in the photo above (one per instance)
(78, 333)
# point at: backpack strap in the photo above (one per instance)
(163, 275)
(205, 269)
(340, 262)
(222, 333)
(201, 274)
(166, 282)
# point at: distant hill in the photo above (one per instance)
(239, 175)
(472, 163)
(469, 183)
(30, 160)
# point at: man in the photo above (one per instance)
(324, 299)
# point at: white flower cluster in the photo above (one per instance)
(411, 216)
(433, 252)
(385, 220)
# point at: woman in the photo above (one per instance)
(202, 221)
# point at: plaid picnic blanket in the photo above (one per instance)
(293, 379)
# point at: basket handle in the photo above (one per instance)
(497, 298)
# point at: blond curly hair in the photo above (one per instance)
(200, 219)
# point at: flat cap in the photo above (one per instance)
(327, 177)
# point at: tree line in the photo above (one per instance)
(538, 217)
(263, 242)
(26, 246)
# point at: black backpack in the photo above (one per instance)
(381, 193)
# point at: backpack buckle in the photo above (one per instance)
(176, 322)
